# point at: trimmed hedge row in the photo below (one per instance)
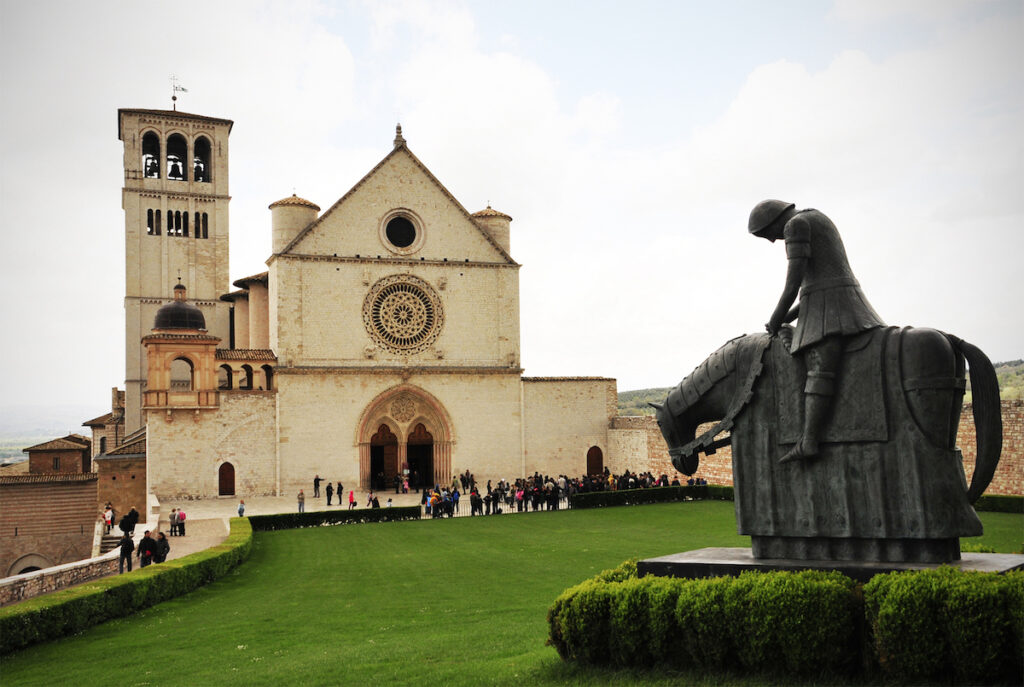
(290, 521)
(1000, 503)
(632, 497)
(72, 610)
(917, 625)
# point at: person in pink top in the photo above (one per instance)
(351, 500)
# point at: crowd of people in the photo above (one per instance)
(539, 492)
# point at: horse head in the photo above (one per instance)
(677, 434)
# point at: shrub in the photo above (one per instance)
(944, 622)
(72, 610)
(1000, 503)
(704, 631)
(631, 497)
(289, 521)
(585, 621)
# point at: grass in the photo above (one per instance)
(458, 601)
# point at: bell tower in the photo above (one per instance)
(175, 200)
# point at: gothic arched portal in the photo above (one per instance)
(422, 434)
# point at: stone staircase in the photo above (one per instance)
(109, 542)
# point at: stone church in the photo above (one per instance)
(382, 339)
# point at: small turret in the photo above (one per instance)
(497, 225)
(289, 216)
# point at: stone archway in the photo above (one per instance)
(417, 420)
(595, 461)
(29, 563)
(226, 480)
(383, 457)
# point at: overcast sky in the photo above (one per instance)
(628, 141)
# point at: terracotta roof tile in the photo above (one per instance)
(50, 477)
(136, 447)
(246, 354)
(491, 212)
(294, 200)
(245, 281)
(100, 421)
(72, 442)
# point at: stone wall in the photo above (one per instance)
(46, 520)
(563, 418)
(187, 448)
(717, 468)
(21, 587)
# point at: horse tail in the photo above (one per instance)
(988, 419)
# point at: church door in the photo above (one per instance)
(383, 458)
(421, 457)
(595, 461)
(226, 476)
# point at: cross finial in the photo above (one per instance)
(174, 91)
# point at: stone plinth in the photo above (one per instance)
(718, 561)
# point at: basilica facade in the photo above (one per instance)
(381, 340)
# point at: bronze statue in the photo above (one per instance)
(876, 407)
(831, 305)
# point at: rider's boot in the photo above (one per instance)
(817, 404)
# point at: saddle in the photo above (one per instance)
(858, 409)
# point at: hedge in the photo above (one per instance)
(289, 521)
(920, 625)
(1000, 503)
(631, 497)
(72, 610)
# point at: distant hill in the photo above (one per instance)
(1010, 374)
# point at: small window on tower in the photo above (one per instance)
(177, 154)
(151, 155)
(149, 222)
(184, 224)
(156, 223)
(206, 226)
(201, 160)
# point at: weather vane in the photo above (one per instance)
(174, 91)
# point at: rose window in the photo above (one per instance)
(402, 314)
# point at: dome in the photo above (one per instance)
(491, 212)
(179, 314)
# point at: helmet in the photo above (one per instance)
(766, 212)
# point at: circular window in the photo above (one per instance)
(402, 314)
(400, 232)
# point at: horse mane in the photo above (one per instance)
(715, 368)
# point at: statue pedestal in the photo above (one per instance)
(718, 561)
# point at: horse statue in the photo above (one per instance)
(888, 484)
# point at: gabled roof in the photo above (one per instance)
(134, 447)
(400, 147)
(72, 442)
(101, 421)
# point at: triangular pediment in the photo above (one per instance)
(399, 186)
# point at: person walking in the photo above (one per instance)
(147, 547)
(241, 508)
(302, 501)
(351, 499)
(127, 546)
(163, 547)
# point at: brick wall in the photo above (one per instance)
(50, 518)
(717, 468)
(42, 462)
(122, 482)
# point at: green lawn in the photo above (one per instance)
(458, 601)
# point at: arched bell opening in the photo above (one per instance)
(225, 378)
(151, 155)
(246, 380)
(177, 157)
(201, 160)
(268, 377)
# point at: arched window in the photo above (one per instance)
(246, 382)
(268, 376)
(151, 155)
(177, 155)
(206, 226)
(201, 160)
(156, 223)
(170, 223)
(184, 223)
(151, 228)
(198, 225)
(225, 377)
(181, 375)
(103, 444)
